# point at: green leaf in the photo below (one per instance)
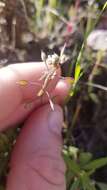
(53, 3)
(75, 185)
(72, 165)
(105, 6)
(69, 177)
(77, 72)
(84, 158)
(41, 3)
(102, 186)
(86, 182)
(78, 64)
(95, 164)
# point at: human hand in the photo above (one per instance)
(36, 161)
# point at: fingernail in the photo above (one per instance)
(56, 120)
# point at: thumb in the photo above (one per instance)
(36, 162)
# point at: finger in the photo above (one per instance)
(12, 95)
(58, 96)
(36, 161)
(61, 92)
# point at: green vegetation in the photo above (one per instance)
(80, 168)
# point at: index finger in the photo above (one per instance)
(12, 95)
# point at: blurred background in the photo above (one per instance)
(29, 26)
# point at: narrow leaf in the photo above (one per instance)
(105, 6)
(77, 72)
(78, 62)
(72, 165)
(75, 185)
(102, 186)
(86, 182)
(84, 158)
(95, 164)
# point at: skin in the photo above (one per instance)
(36, 161)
